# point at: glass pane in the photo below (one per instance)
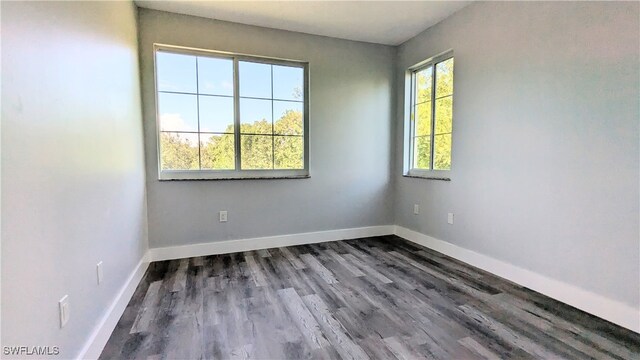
(287, 83)
(216, 114)
(423, 119)
(178, 112)
(288, 117)
(424, 83)
(255, 116)
(288, 152)
(176, 72)
(444, 78)
(422, 152)
(217, 151)
(257, 152)
(215, 76)
(179, 151)
(442, 156)
(444, 108)
(255, 79)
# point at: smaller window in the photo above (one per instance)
(430, 118)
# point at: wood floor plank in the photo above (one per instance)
(148, 309)
(349, 248)
(401, 349)
(186, 339)
(322, 271)
(319, 286)
(598, 343)
(264, 253)
(295, 261)
(379, 298)
(227, 338)
(198, 261)
(448, 278)
(509, 335)
(353, 323)
(444, 309)
(294, 278)
(179, 279)
(186, 309)
(256, 272)
(474, 346)
(376, 348)
(382, 316)
(275, 335)
(367, 269)
(303, 318)
(334, 330)
(273, 275)
(352, 269)
(393, 270)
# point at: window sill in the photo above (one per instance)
(427, 177)
(243, 178)
(217, 175)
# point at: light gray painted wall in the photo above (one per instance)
(545, 170)
(72, 166)
(351, 88)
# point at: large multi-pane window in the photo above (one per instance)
(431, 117)
(230, 116)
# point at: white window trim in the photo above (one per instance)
(238, 173)
(408, 170)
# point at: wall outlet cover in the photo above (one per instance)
(99, 272)
(63, 304)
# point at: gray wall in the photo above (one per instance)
(72, 166)
(351, 89)
(545, 145)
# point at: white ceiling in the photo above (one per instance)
(382, 22)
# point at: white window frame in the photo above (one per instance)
(238, 173)
(409, 120)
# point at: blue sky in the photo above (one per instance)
(179, 112)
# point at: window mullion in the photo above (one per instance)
(433, 117)
(198, 113)
(236, 111)
(305, 120)
(273, 138)
(412, 120)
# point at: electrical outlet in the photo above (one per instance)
(416, 209)
(450, 218)
(99, 272)
(223, 216)
(63, 304)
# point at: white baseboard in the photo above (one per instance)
(231, 246)
(101, 333)
(598, 305)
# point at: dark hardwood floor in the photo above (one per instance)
(378, 298)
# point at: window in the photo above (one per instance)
(430, 120)
(225, 116)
